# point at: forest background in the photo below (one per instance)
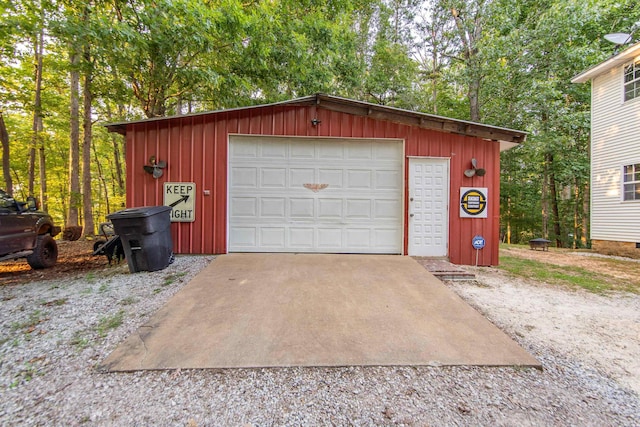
(68, 67)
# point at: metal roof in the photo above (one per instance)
(507, 137)
(616, 60)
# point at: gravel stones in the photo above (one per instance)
(55, 333)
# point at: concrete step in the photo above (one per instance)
(444, 270)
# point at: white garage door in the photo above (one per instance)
(315, 195)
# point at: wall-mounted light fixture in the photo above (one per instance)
(154, 167)
(315, 121)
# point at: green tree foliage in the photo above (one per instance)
(506, 62)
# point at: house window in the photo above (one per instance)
(632, 80)
(631, 182)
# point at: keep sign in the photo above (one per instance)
(181, 197)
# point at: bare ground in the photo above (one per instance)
(599, 330)
(54, 333)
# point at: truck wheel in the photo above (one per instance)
(45, 254)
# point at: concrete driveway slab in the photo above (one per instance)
(280, 310)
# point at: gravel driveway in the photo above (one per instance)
(54, 333)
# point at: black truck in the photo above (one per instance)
(26, 232)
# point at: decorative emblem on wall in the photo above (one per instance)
(473, 202)
(315, 187)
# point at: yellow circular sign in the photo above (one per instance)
(473, 202)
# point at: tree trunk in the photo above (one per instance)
(434, 80)
(37, 109)
(474, 97)
(118, 163)
(115, 140)
(544, 200)
(508, 220)
(469, 35)
(554, 201)
(74, 143)
(576, 215)
(103, 181)
(6, 164)
(89, 227)
(37, 124)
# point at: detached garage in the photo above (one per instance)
(321, 174)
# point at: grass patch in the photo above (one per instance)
(55, 303)
(569, 276)
(25, 375)
(172, 278)
(30, 324)
(79, 341)
(129, 300)
(105, 324)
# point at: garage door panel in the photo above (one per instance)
(272, 237)
(315, 195)
(359, 179)
(356, 151)
(302, 151)
(330, 152)
(330, 238)
(383, 237)
(301, 208)
(388, 179)
(246, 177)
(244, 149)
(302, 238)
(359, 209)
(359, 238)
(330, 209)
(244, 207)
(275, 150)
(299, 177)
(273, 177)
(386, 210)
(332, 177)
(273, 207)
(243, 236)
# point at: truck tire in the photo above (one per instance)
(45, 254)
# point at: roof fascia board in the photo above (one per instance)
(422, 120)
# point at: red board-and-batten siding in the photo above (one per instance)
(195, 148)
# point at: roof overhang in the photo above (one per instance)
(615, 61)
(508, 138)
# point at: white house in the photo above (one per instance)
(615, 152)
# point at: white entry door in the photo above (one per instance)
(332, 195)
(428, 207)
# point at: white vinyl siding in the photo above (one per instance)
(615, 127)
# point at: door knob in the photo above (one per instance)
(411, 215)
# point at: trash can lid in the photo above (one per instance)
(139, 212)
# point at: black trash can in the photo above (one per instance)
(146, 236)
